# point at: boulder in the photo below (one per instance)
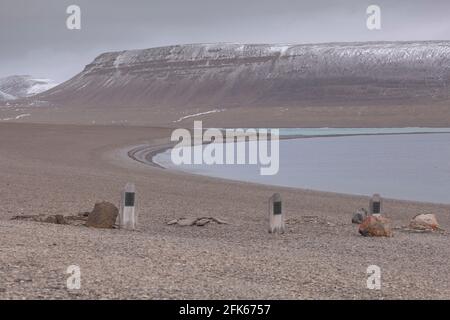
(376, 226)
(359, 216)
(104, 215)
(424, 222)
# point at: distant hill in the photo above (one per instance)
(14, 87)
(227, 75)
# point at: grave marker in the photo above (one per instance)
(376, 205)
(276, 215)
(127, 216)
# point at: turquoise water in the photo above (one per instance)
(357, 131)
(407, 166)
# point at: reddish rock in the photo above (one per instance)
(424, 222)
(376, 226)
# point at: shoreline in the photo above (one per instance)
(145, 153)
(148, 152)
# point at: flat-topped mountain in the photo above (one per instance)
(228, 75)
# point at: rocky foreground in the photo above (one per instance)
(63, 170)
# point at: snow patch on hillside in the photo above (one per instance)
(41, 86)
(6, 96)
(17, 117)
(199, 114)
(282, 49)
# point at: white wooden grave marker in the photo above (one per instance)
(376, 205)
(276, 215)
(127, 216)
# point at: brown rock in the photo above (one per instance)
(104, 215)
(376, 226)
(60, 219)
(83, 214)
(424, 222)
(49, 219)
(174, 221)
(57, 219)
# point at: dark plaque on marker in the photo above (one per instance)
(129, 199)
(277, 207)
(376, 207)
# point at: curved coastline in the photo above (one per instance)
(148, 157)
(145, 153)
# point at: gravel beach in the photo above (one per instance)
(65, 169)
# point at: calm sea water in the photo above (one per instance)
(407, 166)
(357, 131)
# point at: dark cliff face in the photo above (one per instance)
(227, 75)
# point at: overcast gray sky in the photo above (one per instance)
(34, 38)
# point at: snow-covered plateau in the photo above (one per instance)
(283, 75)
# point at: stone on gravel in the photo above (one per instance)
(186, 222)
(424, 222)
(56, 219)
(104, 215)
(359, 216)
(376, 226)
(202, 222)
(84, 214)
(219, 221)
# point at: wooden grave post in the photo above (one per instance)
(127, 215)
(276, 215)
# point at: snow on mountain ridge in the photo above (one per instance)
(20, 86)
(335, 59)
(233, 74)
(41, 85)
(426, 49)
